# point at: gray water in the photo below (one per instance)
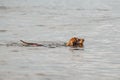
(56, 21)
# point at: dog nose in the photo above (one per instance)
(81, 41)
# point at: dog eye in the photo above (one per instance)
(78, 39)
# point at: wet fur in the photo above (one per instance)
(75, 42)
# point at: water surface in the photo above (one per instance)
(49, 21)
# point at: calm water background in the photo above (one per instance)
(98, 21)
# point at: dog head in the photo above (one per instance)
(80, 42)
(76, 42)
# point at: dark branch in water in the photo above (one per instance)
(30, 44)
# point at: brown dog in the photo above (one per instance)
(75, 42)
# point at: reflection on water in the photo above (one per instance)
(53, 23)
